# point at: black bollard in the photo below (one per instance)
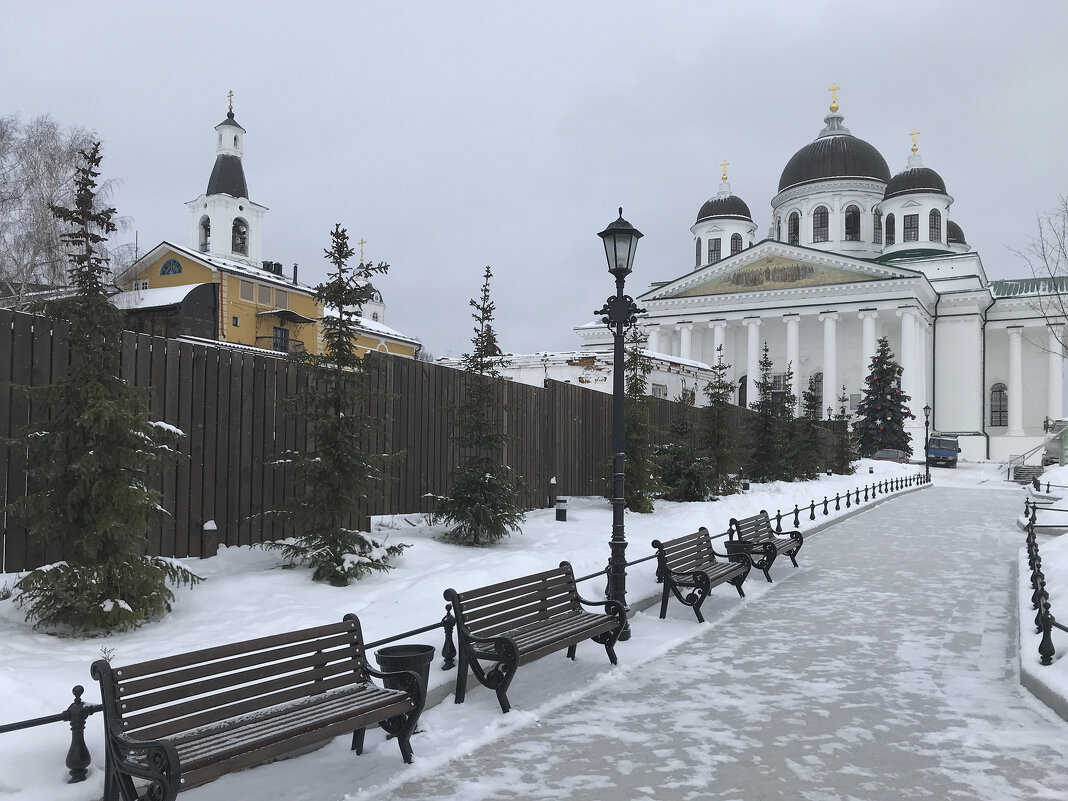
(778, 522)
(448, 650)
(825, 505)
(837, 502)
(812, 511)
(797, 519)
(78, 754)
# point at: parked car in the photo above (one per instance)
(942, 449)
(891, 455)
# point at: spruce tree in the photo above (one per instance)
(483, 504)
(766, 458)
(334, 474)
(684, 472)
(93, 455)
(807, 436)
(843, 452)
(639, 470)
(884, 407)
(716, 435)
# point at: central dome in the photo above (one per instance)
(836, 153)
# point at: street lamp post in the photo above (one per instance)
(830, 411)
(619, 313)
(927, 443)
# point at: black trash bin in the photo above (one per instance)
(405, 657)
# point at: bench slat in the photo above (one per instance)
(472, 596)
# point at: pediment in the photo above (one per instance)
(774, 267)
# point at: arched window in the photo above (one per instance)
(935, 226)
(205, 234)
(171, 267)
(239, 237)
(815, 385)
(742, 390)
(235, 141)
(736, 243)
(877, 227)
(889, 229)
(820, 219)
(999, 405)
(793, 229)
(852, 223)
(778, 229)
(698, 264)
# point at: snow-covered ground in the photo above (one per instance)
(249, 593)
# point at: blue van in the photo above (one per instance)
(942, 449)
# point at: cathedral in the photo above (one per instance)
(855, 253)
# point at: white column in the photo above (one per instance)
(1055, 404)
(752, 358)
(908, 353)
(922, 395)
(867, 338)
(654, 337)
(830, 357)
(1015, 428)
(685, 339)
(793, 356)
(719, 329)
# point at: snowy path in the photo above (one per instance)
(884, 668)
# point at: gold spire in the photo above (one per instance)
(361, 243)
(724, 164)
(834, 96)
(230, 99)
(914, 133)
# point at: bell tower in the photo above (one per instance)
(224, 222)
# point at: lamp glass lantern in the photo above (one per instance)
(620, 241)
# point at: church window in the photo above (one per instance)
(658, 390)
(374, 316)
(820, 219)
(793, 229)
(778, 229)
(281, 299)
(999, 405)
(141, 285)
(237, 321)
(235, 141)
(713, 250)
(698, 264)
(239, 237)
(815, 384)
(247, 292)
(935, 226)
(854, 401)
(736, 243)
(743, 385)
(264, 295)
(890, 233)
(877, 227)
(205, 234)
(171, 267)
(911, 228)
(852, 223)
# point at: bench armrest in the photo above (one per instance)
(409, 680)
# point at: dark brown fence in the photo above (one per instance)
(231, 405)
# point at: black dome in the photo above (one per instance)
(227, 177)
(836, 153)
(913, 180)
(724, 206)
(954, 234)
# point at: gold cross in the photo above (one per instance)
(914, 133)
(834, 96)
(230, 98)
(724, 164)
(361, 243)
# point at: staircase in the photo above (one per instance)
(1026, 473)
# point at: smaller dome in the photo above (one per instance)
(724, 206)
(915, 180)
(954, 234)
(230, 121)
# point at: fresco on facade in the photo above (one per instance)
(774, 272)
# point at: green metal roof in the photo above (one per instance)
(1021, 287)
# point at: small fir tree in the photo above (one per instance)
(639, 469)
(683, 471)
(766, 458)
(93, 454)
(884, 407)
(716, 435)
(843, 451)
(807, 433)
(334, 475)
(483, 505)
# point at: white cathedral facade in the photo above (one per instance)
(855, 254)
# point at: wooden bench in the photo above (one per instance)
(689, 568)
(517, 621)
(183, 720)
(754, 535)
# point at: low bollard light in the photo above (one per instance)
(561, 509)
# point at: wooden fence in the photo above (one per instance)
(231, 405)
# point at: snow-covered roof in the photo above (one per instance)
(374, 327)
(231, 266)
(153, 298)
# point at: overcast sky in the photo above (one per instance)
(452, 135)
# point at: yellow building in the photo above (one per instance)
(219, 288)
